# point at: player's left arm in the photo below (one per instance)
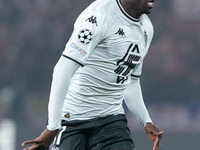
(135, 103)
(154, 134)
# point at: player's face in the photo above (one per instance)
(136, 8)
(144, 6)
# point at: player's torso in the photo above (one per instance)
(120, 53)
(123, 47)
(97, 88)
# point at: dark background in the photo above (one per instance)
(33, 34)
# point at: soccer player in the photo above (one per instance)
(99, 68)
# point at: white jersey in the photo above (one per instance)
(110, 46)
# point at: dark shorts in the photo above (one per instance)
(106, 133)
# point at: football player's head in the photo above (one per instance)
(136, 8)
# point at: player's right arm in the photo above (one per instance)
(63, 72)
(75, 55)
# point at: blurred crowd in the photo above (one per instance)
(34, 33)
(32, 36)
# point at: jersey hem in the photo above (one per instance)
(92, 117)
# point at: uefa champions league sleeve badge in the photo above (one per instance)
(85, 36)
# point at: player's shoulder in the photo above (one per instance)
(100, 12)
(147, 22)
(104, 7)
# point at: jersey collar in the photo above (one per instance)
(124, 12)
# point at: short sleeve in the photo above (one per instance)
(89, 31)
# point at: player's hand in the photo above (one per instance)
(42, 142)
(155, 134)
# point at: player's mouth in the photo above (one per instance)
(150, 4)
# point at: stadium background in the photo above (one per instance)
(33, 35)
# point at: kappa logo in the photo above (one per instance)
(92, 19)
(120, 32)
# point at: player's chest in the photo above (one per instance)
(128, 42)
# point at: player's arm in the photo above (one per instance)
(76, 49)
(134, 101)
(62, 74)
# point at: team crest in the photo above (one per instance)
(85, 36)
(55, 148)
(145, 37)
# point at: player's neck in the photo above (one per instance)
(130, 9)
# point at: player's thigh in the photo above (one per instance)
(114, 134)
(74, 142)
(69, 140)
